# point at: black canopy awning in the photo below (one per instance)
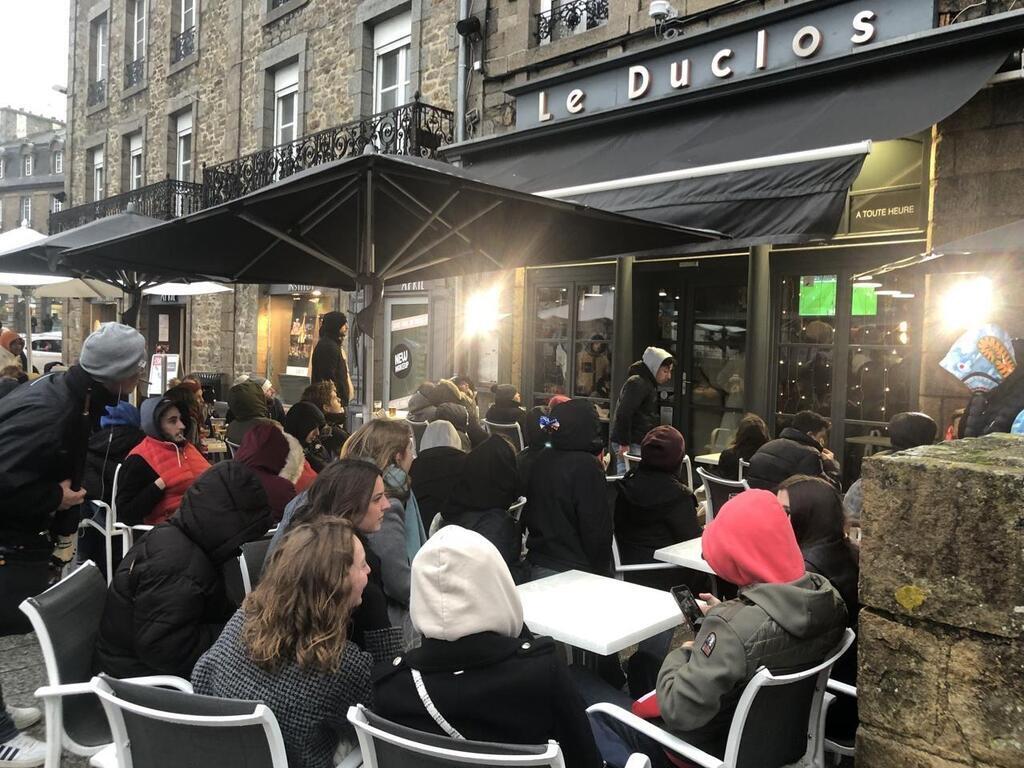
(788, 192)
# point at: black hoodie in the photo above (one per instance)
(328, 362)
(505, 409)
(567, 511)
(167, 603)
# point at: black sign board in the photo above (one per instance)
(401, 361)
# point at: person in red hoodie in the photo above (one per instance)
(783, 618)
(158, 471)
(277, 461)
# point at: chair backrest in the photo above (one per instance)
(232, 447)
(113, 496)
(686, 472)
(510, 431)
(719, 491)
(744, 466)
(66, 619)
(252, 559)
(720, 438)
(385, 744)
(220, 409)
(780, 719)
(418, 428)
(632, 461)
(516, 510)
(162, 728)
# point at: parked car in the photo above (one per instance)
(47, 347)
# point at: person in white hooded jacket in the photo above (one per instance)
(636, 411)
(490, 680)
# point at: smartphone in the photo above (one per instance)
(687, 603)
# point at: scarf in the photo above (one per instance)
(397, 482)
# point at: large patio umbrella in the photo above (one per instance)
(366, 221)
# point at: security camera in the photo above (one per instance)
(661, 10)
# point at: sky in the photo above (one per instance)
(34, 55)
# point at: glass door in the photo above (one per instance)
(406, 345)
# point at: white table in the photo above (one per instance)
(596, 613)
(686, 554)
(711, 459)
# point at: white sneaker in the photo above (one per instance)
(22, 752)
(24, 717)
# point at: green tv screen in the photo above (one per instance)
(818, 298)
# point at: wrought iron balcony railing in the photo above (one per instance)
(412, 129)
(570, 18)
(97, 93)
(183, 45)
(975, 10)
(166, 199)
(134, 72)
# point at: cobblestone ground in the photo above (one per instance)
(21, 672)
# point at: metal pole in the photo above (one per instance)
(622, 346)
(367, 269)
(759, 337)
(27, 293)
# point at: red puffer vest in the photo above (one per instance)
(163, 457)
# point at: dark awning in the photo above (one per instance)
(887, 91)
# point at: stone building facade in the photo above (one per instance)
(32, 158)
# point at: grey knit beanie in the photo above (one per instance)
(113, 352)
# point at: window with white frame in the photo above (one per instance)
(286, 103)
(26, 165)
(26, 209)
(188, 14)
(3, 167)
(135, 171)
(58, 161)
(56, 205)
(391, 45)
(183, 151)
(138, 38)
(100, 51)
(98, 177)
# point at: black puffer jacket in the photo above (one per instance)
(433, 474)
(567, 512)
(108, 448)
(167, 603)
(41, 431)
(652, 510)
(994, 411)
(506, 410)
(636, 412)
(793, 453)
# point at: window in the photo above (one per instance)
(26, 209)
(286, 103)
(3, 167)
(563, 18)
(391, 46)
(188, 14)
(100, 48)
(135, 172)
(56, 205)
(26, 165)
(138, 37)
(98, 178)
(183, 151)
(58, 162)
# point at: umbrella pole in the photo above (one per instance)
(27, 293)
(368, 268)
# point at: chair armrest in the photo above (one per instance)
(141, 527)
(161, 681)
(637, 760)
(353, 759)
(627, 567)
(67, 689)
(842, 688)
(663, 737)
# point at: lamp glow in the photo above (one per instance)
(969, 303)
(482, 312)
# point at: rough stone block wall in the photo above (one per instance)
(941, 646)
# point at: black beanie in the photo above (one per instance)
(663, 448)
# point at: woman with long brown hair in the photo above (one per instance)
(288, 645)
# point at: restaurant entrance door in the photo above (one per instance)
(697, 310)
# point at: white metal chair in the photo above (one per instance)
(385, 744)
(779, 721)
(160, 728)
(718, 492)
(232, 447)
(720, 437)
(511, 431)
(744, 466)
(837, 748)
(632, 461)
(109, 531)
(129, 531)
(686, 470)
(66, 619)
(251, 561)
(621, 569)
(516, 510)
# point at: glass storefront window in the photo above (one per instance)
(552, 313)
(595, 315)
(805, 380)
(809, 309)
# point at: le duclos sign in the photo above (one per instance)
(783, 41)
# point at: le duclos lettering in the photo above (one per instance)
(806, 43)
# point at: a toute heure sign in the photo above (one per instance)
(783, 41)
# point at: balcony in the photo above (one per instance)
(183, 45)
(976, 10)
(134, 72)
(166, 199)
(413, 129)
(570, 18)
(97, 93)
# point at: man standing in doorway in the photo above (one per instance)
(636, 412)
(329, 363)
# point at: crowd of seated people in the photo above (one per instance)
(393, 571)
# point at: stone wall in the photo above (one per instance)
(941, 647)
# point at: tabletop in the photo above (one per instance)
(212, 445)
(687, 554)
(596, 613)
(711, 459)
(875, 440)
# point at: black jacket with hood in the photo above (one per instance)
(108, 448)
(434, 473)
(328, 362)
(167, 603)
(445, 402)
(567, 513)
(636, 411)
(793, 453)
(247, 405)
(41, 429)
(506, 410)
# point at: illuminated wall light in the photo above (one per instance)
(482, 312)
(886, 293)
(904, 296)
(968, 304)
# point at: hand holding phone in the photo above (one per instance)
(687, 603)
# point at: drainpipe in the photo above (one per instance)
(460, 86)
